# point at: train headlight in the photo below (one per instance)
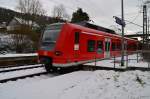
(58, 53)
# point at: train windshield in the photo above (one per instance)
(50, 36)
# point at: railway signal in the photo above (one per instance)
(119, 21)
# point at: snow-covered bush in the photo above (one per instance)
(18, 42)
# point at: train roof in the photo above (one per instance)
(95, 27)
(106, 33)
(85, 25)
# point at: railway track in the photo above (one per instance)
(2, 70)
(20, 73)
(21, 77)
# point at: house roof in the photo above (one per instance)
(22, 21)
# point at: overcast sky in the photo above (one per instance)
(100, 11)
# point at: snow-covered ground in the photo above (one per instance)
(99, 84)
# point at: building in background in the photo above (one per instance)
(16, 24)
(3, 25)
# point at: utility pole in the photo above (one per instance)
(148, 30)
(121, 22)
(122, 48)
(144, 23)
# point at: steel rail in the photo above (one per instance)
(21, 77)
(19, 68)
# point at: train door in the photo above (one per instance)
(107, 47)
(76, 44)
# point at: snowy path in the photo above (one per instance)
(21, 73)
(82, 85)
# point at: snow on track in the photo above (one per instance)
(21, 73)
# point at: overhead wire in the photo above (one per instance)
(135, 17)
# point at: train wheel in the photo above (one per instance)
(48, 65)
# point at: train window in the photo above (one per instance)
(118, 46)
(76, 37)
(108, 49)
(113, 46)
(91, 46)
(125, 46)
(50, 36)
(107, 46)
(132, 46)
(99, 46)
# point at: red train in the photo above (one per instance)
(68, 44)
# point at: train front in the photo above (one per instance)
(47, 45)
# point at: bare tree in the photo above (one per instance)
(33, 7)
(30, 7)
(60, 12)
(25, 39)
